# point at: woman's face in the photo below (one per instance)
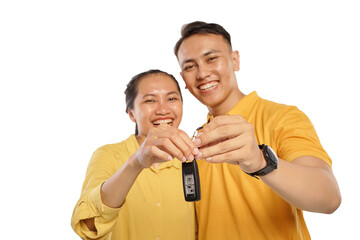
(158, 101)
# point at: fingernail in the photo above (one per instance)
(208, 159)
(191, 157)
(200, 133)
(197, 142)
(198, 156)
(196, 151)
(183, 159)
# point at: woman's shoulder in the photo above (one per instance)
(124, 148)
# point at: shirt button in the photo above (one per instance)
(158, 205)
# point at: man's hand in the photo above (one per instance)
(230, 139)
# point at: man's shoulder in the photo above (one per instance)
(276, 113)
(274, 107)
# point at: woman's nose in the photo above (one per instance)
(162, 108)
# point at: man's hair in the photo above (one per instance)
(132, 88)
(198, 27)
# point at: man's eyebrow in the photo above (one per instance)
(210, 52)
(203, 55)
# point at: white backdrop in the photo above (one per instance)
(64, 66)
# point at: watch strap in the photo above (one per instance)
(268, 168)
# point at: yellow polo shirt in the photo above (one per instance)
(237, 206)
(154, 208)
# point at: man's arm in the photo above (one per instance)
(306, 183)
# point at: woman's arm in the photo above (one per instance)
(162, 144)
(115, 189)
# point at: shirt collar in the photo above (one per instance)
(243, 107)
(173, 163)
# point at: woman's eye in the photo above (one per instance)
(149, 100)
(172, 99)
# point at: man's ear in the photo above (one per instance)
(235, 56)
(131, 115)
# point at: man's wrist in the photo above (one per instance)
(260, 164)
(271, 159)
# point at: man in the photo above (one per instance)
(262, 162)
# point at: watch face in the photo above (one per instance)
(271, 160)
(272, 155)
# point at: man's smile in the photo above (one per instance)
(208, 86)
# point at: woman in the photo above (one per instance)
(133, 189)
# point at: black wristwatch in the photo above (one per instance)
(271, 161)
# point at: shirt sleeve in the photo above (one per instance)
(296, 136)
(101, 167)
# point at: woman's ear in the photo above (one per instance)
(131, 115)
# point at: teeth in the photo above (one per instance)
(208, 85)
(158, 122)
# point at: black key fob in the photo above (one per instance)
(191, 181)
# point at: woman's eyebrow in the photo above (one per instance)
(149, 95)
(173, 92)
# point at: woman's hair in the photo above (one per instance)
(198, 27)
(132, 88)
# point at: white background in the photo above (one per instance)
(64, 66)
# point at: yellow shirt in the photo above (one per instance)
(237, 206)
(154, 208)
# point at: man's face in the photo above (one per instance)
(208, 68)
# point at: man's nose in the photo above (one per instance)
(203, 72)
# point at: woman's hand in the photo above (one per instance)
(163, 143)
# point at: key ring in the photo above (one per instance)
(196, 133)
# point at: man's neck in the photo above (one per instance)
(227, 105)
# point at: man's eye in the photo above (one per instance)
(149, 100)
(212, 58)
(188, 67)
(172, 99)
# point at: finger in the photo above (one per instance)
(181, 140)
(223, 120)
(222, 133)
(147, 156)
(247, 158)
(160, 156)
(166, 145)
(222, 147)
(188, 147)
(229, 157)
